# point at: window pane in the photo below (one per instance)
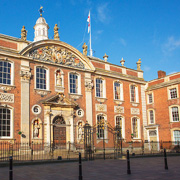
(173, 93)
(5, 73)
(175, 114)
(5, 119)
(40, 78)
(73, 83)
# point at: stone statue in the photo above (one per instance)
(56, 33)
(139, 65)
(23, 33)
(80, 130)
(58, 80)
(36, 129)
(85, 49)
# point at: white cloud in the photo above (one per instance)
(172, 72)
(171, 45)
(103, 13)
(122, 41)
(146, 68)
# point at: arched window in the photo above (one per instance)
(5, 72)
(135, 127)
(41, 78)
(176, 136)
(43, 32)
(5, 122)
(134, 93)
(100, 87)
(118, 91)
(151, 117)
(74, 83)
(39, 32)
(175, 114)
(101, 126)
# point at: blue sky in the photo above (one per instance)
(132, 29)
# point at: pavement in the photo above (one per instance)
(141, 168)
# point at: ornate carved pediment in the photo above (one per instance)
(60, 100)
(56, 54)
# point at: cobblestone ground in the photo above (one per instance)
(141, 168)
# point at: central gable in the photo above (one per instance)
(57, 52)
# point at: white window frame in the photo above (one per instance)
(12, 72)
(79, 82)
(104, 87)
(47, 78)
(138, 124)
(169, 89)
(121, 91)
(136, 93)
(149, 118)
(150, 93)
(170, 113)
(123, 124)
(11, 122)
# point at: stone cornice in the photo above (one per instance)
(3, 36)
(117, 75)
(164, 84)
(118, 66)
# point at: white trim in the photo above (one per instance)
(148, 97)
(121, 90)
(139, 128)
(172, 87)
(79, 82)
(11, 122)
(136, 93)
(148, 115)
(47, 77)
(170, 113)
(104, 86)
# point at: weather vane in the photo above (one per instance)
(41, 10)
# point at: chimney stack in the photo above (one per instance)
(161, 74)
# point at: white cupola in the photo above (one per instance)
(41, 29)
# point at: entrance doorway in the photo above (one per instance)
(59, 132)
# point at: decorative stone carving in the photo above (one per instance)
(25, 74)
(6, 97)
(101, 107)
(118, 102)
(118, 109)
(135, 111)
(135, 104)
(6, 87)
(105, 57)
(75, 96)
(36, 128)
(89, 84)
(42, 92)
(102, 100)
(85, 49)
(122, 62)
(139, 65)
(56, 33)
(57, 55)
(23, 33)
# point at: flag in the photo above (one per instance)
(88, 20)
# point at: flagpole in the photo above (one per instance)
(90, 38)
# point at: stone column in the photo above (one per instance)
(88, 89)
(25, 101)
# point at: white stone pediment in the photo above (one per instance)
(57, 52)
(60, 100)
